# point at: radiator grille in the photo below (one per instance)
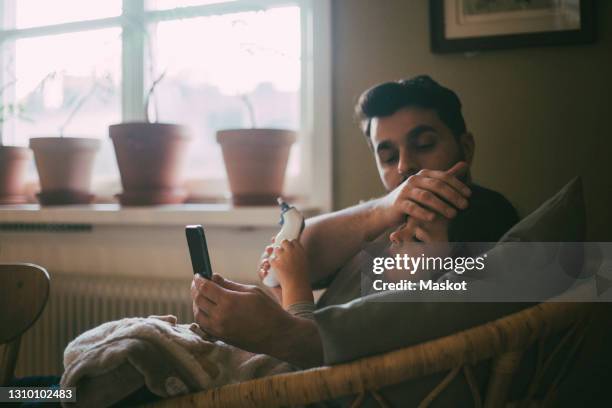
(79, 303)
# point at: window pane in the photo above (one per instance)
(170, 4)
(55, 75)
(213, 63)
(32, 13)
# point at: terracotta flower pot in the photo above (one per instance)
(64, 167)
(256, 161)
(13, 168)
(151, 158)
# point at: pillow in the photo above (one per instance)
(561, 218)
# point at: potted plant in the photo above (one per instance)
(255, 161)
(151, 158)
(13, 160)
(65, 164)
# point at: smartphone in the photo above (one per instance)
(198, 250)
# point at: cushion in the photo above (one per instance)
(561, 218)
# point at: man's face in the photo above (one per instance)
(413, 139)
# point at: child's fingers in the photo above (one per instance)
(279, 264)
(286, 244)
(264, 264)
(297, 244)
(278, 251)
(296, 249)
(274, 263)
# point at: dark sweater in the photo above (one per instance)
(487, 218)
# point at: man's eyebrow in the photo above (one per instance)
(384, 145)
(420, 129)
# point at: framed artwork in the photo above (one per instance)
(478, 25)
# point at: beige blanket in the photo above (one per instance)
(110, 362)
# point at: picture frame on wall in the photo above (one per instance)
(480, 25)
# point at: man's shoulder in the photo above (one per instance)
(490, 199)
(487, 218)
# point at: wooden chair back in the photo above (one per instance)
(24, 290)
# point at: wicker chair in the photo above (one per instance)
(24, 290)
(504, 341)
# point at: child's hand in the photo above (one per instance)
(289, 262)
(291, 266)
(264, 268)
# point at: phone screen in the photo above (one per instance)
(198, 250)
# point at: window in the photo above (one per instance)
(78, 66)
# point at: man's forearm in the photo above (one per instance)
(300, 344)
(333, 239)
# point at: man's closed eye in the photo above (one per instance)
(425, 146)
(388, 157)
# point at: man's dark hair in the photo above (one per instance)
(421, 91)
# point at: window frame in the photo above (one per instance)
(316, 98)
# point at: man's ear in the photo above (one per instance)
(468, 145)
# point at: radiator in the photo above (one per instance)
(79, 303)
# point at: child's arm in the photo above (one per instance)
(290, 263)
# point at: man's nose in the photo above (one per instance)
(406, 165)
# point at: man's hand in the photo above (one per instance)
(428, 232)
(246, 317)
(427, 194)
(241, 315)
(435, 229)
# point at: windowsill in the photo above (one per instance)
(167, 215)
